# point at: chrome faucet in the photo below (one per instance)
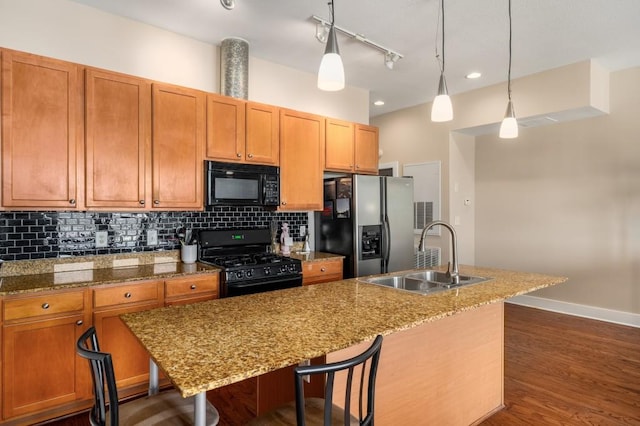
(455, 275)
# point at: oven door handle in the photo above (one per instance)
(257, 286)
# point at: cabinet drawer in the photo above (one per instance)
(315, 272)
(43, 305)
(178, 287)
(133, 293)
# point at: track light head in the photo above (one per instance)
(228, 4)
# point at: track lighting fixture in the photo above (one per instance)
(442, 110)
(228, 4)
(322, 31)
(390, 59)
(509, 126)
(331, 72)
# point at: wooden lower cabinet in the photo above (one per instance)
(240, 402)
(182, 291)
(43, 377)
(130, 359)
(321, 271)
(41, 372)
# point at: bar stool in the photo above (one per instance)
(319, 411)
(167, 407)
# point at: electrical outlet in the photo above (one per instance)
(152, 237)
(102, 239)
(303, 230)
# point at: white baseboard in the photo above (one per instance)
(608, 315)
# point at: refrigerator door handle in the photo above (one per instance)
(386, 244)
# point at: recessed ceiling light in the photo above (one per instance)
(378, 103)
(473, 75)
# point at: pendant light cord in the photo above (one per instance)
(509, 73)
(440, 24)
(330, 4)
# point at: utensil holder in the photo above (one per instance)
(189, 253)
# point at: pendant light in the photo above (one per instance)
(331, 72)
(442, 110)
(509, 126)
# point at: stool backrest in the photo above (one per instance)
(102, 375)
(366, 364)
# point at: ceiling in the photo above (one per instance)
(546, 34)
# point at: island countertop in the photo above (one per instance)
(207, 345)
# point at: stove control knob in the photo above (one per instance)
(283, 269)
(249, 273)
(292, 268)
(267, 270)
(239, 274)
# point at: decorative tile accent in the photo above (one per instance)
(28, 235)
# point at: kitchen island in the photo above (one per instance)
(448, 343)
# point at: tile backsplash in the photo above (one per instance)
(38, 235)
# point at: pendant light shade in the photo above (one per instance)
(442, 110)
(509, 126)
(331, 72)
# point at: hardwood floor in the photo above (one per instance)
(566, 370)
(559, 370)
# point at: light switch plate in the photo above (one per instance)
(152, 237)
(102, 239)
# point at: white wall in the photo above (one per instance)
(565, 199)
(70, 31)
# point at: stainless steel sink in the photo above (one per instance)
(422, 282)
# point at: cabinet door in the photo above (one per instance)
(40, 367)
(177, 144)
(40, 135)
(118, 126)
(366, 149)
(301, 160)
(263, 132)
(130, 359)
(225, 128)
(339, 146)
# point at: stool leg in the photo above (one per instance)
(200, 409)
(153, 378)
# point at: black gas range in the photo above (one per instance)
(247, 266)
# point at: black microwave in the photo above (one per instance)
(229, 184)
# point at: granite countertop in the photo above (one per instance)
(268, 331)
(34, 276)
(315, 256)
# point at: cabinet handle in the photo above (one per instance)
(284, 203)
(127, 295)
(238, 155)
(322, 269)
(357, 166)
(193, 287)
(250, 155)
(79, 322)
(156, 202)
(45, 306)
(142, 202)
(72, 201)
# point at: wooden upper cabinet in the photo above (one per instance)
(366, 149)
(302, 139)
(225, 128)
(242, 131)
(118, 129)
(41, 132)
(339, 148)
(263, 134)
(178, 116)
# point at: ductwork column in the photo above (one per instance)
(234, 68)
